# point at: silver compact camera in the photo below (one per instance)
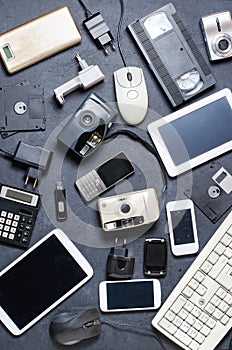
(129, 210)
(217, 32)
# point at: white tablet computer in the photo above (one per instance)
(194, 134)
(39, 280)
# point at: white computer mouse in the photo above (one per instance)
(131, 94)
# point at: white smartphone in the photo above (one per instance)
(133, 295)
(39, 280)
(182, 227)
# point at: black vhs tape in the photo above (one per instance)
(172, 54)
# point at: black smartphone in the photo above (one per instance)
(155, 257)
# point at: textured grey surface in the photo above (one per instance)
(84, 228)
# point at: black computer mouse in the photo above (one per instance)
(69, 328)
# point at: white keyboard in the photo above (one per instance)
(198, 312)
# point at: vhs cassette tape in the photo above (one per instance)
(172, 54)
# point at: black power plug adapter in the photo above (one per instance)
(34, 158)
(119, 264)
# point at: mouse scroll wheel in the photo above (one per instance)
(129, 76)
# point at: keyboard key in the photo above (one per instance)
(183, 314)
(217, 314)
(183, 337)
(168, 326)
(2, 220)
(201, 290)
(177, 321)
(215, 300)
(229, 312)
(7, 228)
(226, 239)
(185, 327)
(13, 230)
(5, 234)
(203, 317)
(16, 217)
(206, 267)
(178, 304)
(211, 323)
(210, 308)
(213, 257)
(11, 236)
(205, 330)
(14, 223)
(189, 306)
(196, 311)
(3, 213)
(187, 292)
(170, 316)
(199, 276)
(192, 332)
(200, 338)
(228, 299)
(223, 306)
(221, 293)
(10, 215)
(193, 284)
(225, 277)
(190, 319)
(8, 222)
(222, 261)
(225, 319)
(228, 252)
(194, 345)
(198, 325)
(1, 226)
(219, 249)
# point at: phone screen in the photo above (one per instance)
(115, 169)
(130, 295)
(155, 256)
(182, 226)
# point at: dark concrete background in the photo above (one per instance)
(52, 73)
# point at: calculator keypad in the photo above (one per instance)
(15, 229)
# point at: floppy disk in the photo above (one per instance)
(172, 54)
(22, 108)
(212, 190)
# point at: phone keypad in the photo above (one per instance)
(15, 229)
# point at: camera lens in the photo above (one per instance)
(87, 119)
(125, 208)
(223, 44)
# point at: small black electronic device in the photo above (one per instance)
(18, 211)
(155, 257)
(104, 176)
(87, 128)
(172, 54)
(217, 32)
(119, 265)
(69, 328)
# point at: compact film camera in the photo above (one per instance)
(129, 210)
